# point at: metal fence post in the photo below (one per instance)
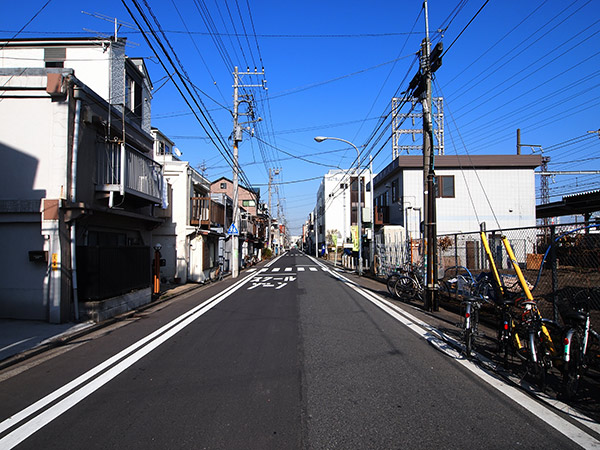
(554, 265)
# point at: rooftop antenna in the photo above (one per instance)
(117, 24)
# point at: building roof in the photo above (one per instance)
(581, 203)
(463, 162)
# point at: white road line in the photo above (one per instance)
(424, 330)
(131, 354)
(288, 269)
(313, 269)
(276, 269)
(300, 269)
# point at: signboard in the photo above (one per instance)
(354, 231)
(233, 231)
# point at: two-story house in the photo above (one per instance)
(194, 222)
(80, 187)
(470, 189)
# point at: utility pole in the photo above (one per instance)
(373, 268)
(429, 63)
(271, 174)
(237, 138)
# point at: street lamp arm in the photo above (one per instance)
(324, 138)
(359, 206)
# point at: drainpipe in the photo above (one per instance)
(74, 155)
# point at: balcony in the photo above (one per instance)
(247, 225)
(128, 172)
(207, 213)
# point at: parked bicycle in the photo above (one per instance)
(217, 273)
(392, 279)
(410, 285)
(459, 283)
(578, 339)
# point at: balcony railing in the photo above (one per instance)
(128, 172)
(206, 212)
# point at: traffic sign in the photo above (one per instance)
(233, 231)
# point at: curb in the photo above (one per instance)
(66, 337)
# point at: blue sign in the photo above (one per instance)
(233, 231)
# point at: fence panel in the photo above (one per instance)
(104, 272)
(559, 262)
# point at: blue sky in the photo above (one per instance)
(332, 68)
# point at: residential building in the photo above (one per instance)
(80, 187)
(498, 190)
(253, 222)
(194, 222)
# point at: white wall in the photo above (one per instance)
(338, 207)
(510, 191)
(43, 144)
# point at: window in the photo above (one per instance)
(444, 186)
(250, 203)
(129, 89)
(223, 186)
(394, 191)
(133, 96)
(163, 149)
(55, 57)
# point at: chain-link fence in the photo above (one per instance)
(559, 262)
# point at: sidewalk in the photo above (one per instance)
(20, 339)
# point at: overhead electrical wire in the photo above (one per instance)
(207, 124)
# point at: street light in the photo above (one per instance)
(358, 212)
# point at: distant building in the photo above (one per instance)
(253, 221)
(338, 207)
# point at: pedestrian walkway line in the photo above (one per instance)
(288, 269)
(276, 269)
(77, 390)
(313, 269)
(300, 269)
(433, 336)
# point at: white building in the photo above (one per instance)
(337, 206)
(188, 239)
(496, 189)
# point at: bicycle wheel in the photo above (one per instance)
(405, 288)
(535, 364)
(391, 283)
(574, 368)
(468, 337)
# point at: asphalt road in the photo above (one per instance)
(290, 355)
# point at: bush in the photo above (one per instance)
(267, 253)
